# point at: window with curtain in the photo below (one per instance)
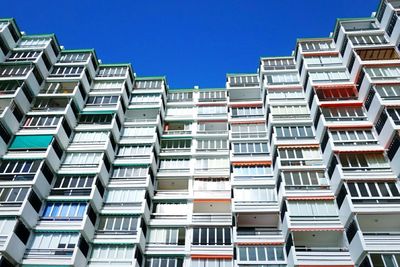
(175, 164)
(211, 184)
(328, 76)
(138, 131)
(212, 163)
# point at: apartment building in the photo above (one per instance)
(296, 164)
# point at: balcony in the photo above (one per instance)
(55, 256)
(368, 205)
(374, 233)
(118, 237)
(212, 212)
(316, 256)
(84, 225)
(254, 235)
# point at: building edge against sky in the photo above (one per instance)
(295, 165)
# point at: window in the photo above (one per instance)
(372, 39)
(179, 145)
(278, 63)
(149, 84)
(164, 262)
(243, 81)
(96, 119)
(317, 46)
(74, 57)
(344, 113)
(205, 96)
(145, 98)
(388, 91)
(212, 127)
(334, 94)
(285, 94)
(73, 185)
(62, 71)
(310, 208)
(394, 114)
(9, 87)
(132, 151)
(124, 196)
(385, 260)
(13, 194)
(24, 56)
(59, 88)
(167, 236)
(254, 130)
(90, 137)
(129, 172)
(211, 263)
(212, 144)
(181, 96)
(112, 253)
(248, 112)
(388, 190)
(34, 42)
(107, 86)
(292, 110)
(258, 194)
(211, 111)
(180, 111)
(328, 76)
(349, 137)
(112, 72)
(122, 224)
(66, 211)
(319, 61)
(363, 161)
(206, 164)
(250, 148)
(15, 70)
(212, 236)
(261, 253)
(21, 170)
(60, 243)
(300, 157)
(83, 159)
(102, 100)
(138, 131)
(294, 132)
(304, 179)
(252, 171)
(45, 103)
(174, 164)
(171, 208)
(283, 78)
(383, 73)
(209, 184)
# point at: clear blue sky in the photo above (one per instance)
(191, 42)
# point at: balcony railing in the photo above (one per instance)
(49, 253)
(218, 218)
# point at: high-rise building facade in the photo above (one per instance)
(294, 165)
